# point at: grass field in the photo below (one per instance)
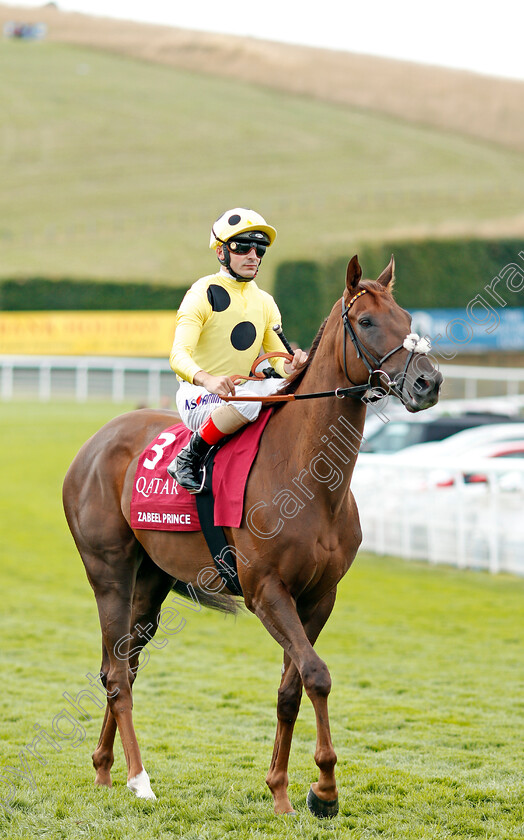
(115, 168)
(427, 704)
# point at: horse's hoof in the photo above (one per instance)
(320, 808)
(141, 786)
(290, 814)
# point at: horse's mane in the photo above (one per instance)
(294, 381)
(373, 286)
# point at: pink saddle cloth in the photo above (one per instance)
(158, 503)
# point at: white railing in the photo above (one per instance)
(82, 377)
(428, 512)
(473, 375)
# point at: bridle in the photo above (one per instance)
(413, 343)
(367, 392)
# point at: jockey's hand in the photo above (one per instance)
(221, 385)
(298, 361)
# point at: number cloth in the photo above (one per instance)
(159, 503)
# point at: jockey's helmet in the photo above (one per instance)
(238, 221)
(238, 230)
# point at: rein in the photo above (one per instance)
(412, 342)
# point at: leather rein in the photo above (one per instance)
(367, 391)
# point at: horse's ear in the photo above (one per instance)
(353, 274)
(387, 278)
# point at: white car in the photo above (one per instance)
(462, 443)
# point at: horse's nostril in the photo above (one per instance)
(421, 384)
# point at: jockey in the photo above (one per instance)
(222, 323)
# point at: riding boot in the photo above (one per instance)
(186, 467)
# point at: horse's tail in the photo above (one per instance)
(223, 602)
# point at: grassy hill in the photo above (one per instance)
(453, 100)
(115, 167)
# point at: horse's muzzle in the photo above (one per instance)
(423, 392)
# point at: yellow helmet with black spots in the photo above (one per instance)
(237, 221)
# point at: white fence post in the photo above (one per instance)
(81, 389)
(494, 526)
(44, 383)
(6, 388)
(470, 389)
(118, 385)
(153, 387)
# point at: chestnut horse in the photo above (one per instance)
(298, 537)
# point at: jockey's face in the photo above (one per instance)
(245, 265)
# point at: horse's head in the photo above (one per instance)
(378, 344)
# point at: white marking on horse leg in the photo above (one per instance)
(141, 786)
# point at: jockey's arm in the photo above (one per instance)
(188, 326)
(190, 319)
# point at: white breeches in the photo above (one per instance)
(195, 404)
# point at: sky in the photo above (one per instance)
(485, 38)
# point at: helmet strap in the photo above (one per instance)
(226, 262)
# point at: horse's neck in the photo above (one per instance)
(323, 435)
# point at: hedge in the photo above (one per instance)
(430, 275)
(40, 293)
(442, 274)
(297, 290)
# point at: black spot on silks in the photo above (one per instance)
(243, 335)
(218, 297)
(234, 219)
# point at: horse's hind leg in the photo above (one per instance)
(103, 755)
(112, 573)
(289, 697)
(151, 587)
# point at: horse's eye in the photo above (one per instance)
(364, 322)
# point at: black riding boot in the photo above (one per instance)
(185, 468)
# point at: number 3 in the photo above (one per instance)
(168, 438)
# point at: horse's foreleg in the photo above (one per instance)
(288, 704)
(289, 696)
(277, 611)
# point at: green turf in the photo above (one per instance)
(427, 704)
(115, 168)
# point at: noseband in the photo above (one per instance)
(412, 343)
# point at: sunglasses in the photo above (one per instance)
(243, 248)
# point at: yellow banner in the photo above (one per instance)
(87, 333)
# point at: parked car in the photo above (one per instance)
(462, 443)
(510, 451)
(401, 433)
